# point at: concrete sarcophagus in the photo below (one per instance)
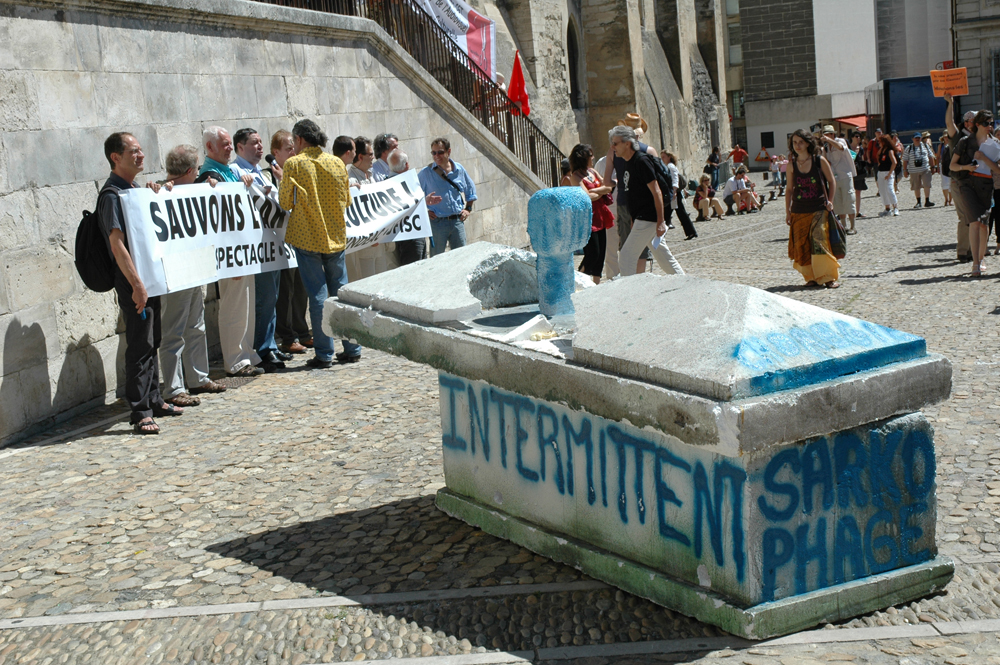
(744, 458)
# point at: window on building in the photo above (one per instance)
(732, 7)
(735, 45)
(767, 139)
(740, 136)
(737, 98)
(573, 53)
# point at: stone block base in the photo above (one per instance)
(830, 604)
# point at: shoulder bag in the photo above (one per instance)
(838, 235)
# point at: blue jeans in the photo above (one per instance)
(447, 230)
(265, 301)
(323, 275)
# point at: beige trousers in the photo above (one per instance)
(236, 323)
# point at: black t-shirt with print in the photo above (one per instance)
(635, 182)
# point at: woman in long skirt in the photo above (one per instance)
(809, 212)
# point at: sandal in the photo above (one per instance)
(166, 409)
(832, 285)
(811, 283)
(210, 387)
(146, 426)
(184, 399)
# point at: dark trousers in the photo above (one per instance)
(142, 339)
(410, 251)
(291, 308)
(682, 214)
(995, 216)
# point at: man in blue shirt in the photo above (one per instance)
(249, 152)
(452, 183)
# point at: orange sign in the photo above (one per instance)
(950, 81)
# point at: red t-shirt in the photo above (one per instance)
(739, 155)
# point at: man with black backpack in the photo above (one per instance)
(141, 313)
(641, 183)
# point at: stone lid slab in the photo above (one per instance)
(725, 341)
(454, 286)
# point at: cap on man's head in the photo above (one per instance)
(878, 130)
(969, 115)
(828, 129)
(927, 135)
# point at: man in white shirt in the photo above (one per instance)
(842, 165)
(249, 152)
(736, 190)
(917, 162)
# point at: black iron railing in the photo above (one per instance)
(420, 36)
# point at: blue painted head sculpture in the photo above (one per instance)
(558, 225)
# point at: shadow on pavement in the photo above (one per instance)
(785, 288)
(932, 249)
(410, 546)
(406, 545)
(934, 280)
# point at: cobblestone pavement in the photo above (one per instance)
(319, 484)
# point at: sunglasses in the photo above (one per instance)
(438, 153)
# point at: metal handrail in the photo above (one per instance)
(420, 36)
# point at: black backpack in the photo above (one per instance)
(93, 262)
(660, 171)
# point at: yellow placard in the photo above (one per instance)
(950, 81)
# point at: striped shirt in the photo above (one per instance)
(911, 154)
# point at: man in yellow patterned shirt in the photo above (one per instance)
(314, 188)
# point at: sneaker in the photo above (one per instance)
(884, 213)
(918, 204)
(929, 204)
(345, 359)
(895, 212)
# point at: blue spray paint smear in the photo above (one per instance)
(839, 349)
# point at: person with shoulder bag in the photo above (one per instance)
(973, 165)
(809, 213)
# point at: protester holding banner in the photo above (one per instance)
(290, 327)
(141, 313)
(183, 344)
(359, 172)
(382, 146)
(236, 294)
(407, 251)
(315, 189)
(452, 183)
(249, 152)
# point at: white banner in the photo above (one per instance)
(387, 211)
(474, 33)
(198, 234)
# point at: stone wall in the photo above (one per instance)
(71, 76)
(976, 39)
(779, 49)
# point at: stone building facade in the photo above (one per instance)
(587, 63)
(794, 69)
(976, 31)
(72, 73)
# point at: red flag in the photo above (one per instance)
(516, 91)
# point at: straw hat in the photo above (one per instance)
(635, 121)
